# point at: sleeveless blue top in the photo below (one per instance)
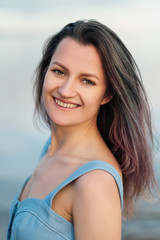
(34, 218)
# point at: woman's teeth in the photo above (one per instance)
(66, 105)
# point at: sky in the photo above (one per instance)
(25, 25)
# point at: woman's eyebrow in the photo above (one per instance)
(82, 74)
(90, 75)
(59, 64)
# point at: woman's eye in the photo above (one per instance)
(57, 71)
(88, 82)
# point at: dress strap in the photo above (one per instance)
(87, 167)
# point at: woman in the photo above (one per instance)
(88, 91)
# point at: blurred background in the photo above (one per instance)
(24, 26)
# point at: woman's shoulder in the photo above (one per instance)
(95, 197)
(100, 176)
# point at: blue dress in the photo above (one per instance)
(34, 218)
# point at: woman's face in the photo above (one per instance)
(74, 85)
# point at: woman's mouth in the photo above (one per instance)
(64, 104)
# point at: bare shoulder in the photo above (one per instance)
(96, 207)
(97, 182)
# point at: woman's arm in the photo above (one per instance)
(96, 207)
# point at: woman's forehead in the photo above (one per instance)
(70, 52)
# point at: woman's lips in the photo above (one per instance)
(64, 104)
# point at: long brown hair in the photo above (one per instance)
(124, 122)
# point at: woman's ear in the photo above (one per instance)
(106, 99)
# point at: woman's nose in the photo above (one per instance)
(67, 89)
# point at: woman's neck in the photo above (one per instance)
(71, 141)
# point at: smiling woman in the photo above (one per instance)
(89, 93)
(75, 80)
